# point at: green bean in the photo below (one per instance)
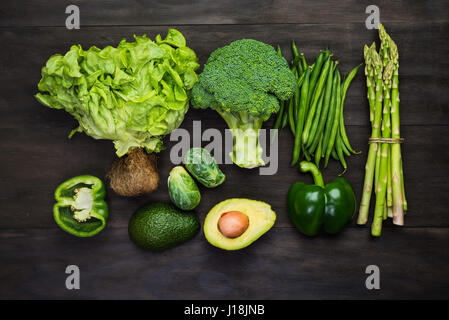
(334, 154)
(318, 151)
(348, 80)
(346, 84)
(316, 120)
(315, 123)
(279, 51)
(295, 71)
(291, 114)
(297, 97)
(296, 59)
(307, 155)
(295, 111)
(277, 122)
(326, 105)
(299, 67)
(301, 80)
(316, 68)
(322, 57)
(334, 130)
(285, 115)
(331, 116)
(345, 150)
(316, 97)
(298, 94)
(303, 62)
(294, 49)
(300, 119)
(338, 143)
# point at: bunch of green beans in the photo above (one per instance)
(315, 112)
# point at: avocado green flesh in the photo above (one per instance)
(161, 226)
(261, 219)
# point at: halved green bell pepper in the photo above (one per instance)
(80, 208)
(312, 207)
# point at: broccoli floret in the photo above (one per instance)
(244, 82)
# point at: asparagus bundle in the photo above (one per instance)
(315, 112)
(384, 162)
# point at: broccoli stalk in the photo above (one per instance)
(246, 152)
(244, 82)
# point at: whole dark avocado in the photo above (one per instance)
(160, 226)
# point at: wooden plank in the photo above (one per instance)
(36, 161)
(424, 73)
(281, 265)
(153, 12)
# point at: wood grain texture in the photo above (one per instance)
(424, 70)
(36, 156)
(46, 158)
(283, 264)
(181, 12)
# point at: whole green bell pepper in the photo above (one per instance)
(312, 207)
(80, 208)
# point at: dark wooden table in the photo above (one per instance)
(36, 156)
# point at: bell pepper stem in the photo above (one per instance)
(306, 166)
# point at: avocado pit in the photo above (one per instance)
(233, 224)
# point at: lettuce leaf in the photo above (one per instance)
(133, 94)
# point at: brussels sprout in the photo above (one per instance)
(182, 189)
(203, 167)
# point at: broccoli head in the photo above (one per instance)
(244, 82)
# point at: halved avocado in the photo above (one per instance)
(260, 215)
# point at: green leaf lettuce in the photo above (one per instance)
(133, 94)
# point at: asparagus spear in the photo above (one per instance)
(375, 133)
(403, 190)
(380, 209)
(370, 84)
(383, 161)
(385, 53)
(385, 56)
(389, 181)
(377, 169)
(396, 174)
(370, 81)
